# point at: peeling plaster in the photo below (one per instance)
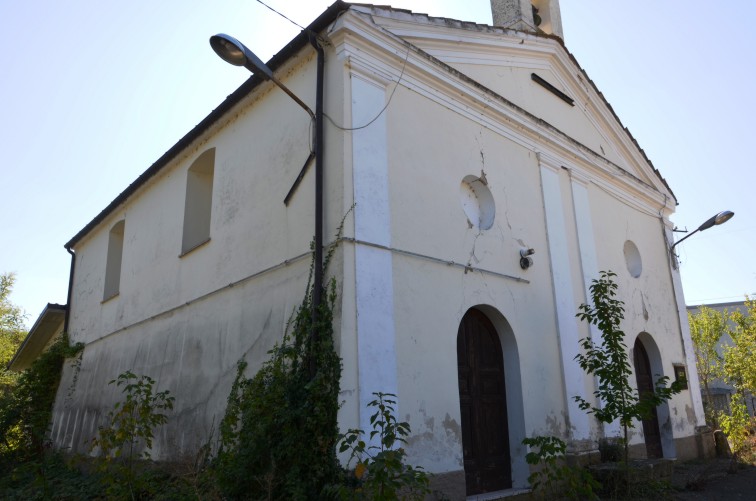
(452, 427)
(691, 415)
(555, 426)
(643, 305)
(441, 446)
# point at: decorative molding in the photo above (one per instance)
(564, 301)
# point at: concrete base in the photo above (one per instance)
(698, 446)
(451, 486)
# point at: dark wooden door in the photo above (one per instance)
(483, 405)
(646, 385)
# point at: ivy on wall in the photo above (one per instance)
(26, 411)
(278, 436)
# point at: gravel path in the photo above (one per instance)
(712, 481)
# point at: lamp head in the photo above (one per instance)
(717, 219)
(234, 52)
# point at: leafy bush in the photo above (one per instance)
(130, 425)
(133, 420)
(381, 471)
(26, 409)
(555, 476)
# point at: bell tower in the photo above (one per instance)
(528, 15)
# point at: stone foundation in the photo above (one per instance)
(698, 446)
(451, 486)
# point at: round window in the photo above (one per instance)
(633, 259)
(477, 202)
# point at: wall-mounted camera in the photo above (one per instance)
(525, 260)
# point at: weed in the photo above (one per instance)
(555, 477)
(381, 471)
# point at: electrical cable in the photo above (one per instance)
(404, 66)
(401, 75)
(283, 16)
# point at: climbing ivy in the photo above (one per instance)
(26, 411)
(278, 436)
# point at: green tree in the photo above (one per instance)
(706, 329)
(740, 356)
(739, 370)
(609, 363)
(12, 332)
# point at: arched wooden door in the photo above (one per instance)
(483, 405)
(645, 385)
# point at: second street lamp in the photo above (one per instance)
(714, 220)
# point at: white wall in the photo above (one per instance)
(186, 320)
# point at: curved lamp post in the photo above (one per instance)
(714, 220)
(234, 52)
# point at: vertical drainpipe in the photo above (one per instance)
(317, 293)
(70, 289)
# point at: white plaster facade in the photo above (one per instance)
(444, 100)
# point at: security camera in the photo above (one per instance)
(525, 260)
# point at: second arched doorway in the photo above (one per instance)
(645, 380)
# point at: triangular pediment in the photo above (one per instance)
(535, 73)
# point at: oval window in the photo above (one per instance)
(477, 202)
(633, 259)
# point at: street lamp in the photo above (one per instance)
(234, 52)
(714, 220)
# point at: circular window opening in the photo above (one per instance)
(633, 259)
(477, 202)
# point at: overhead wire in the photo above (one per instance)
(333, 122)
(391, 96)
(283, 16)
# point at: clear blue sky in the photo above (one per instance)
(94, 92)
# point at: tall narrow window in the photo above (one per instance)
(113, 264)
(198, 202)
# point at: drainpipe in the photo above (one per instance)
(317, 293)
(70, 289)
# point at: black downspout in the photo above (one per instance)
(70, 290)
(317, 292)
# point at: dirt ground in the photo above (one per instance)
(712, 480)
